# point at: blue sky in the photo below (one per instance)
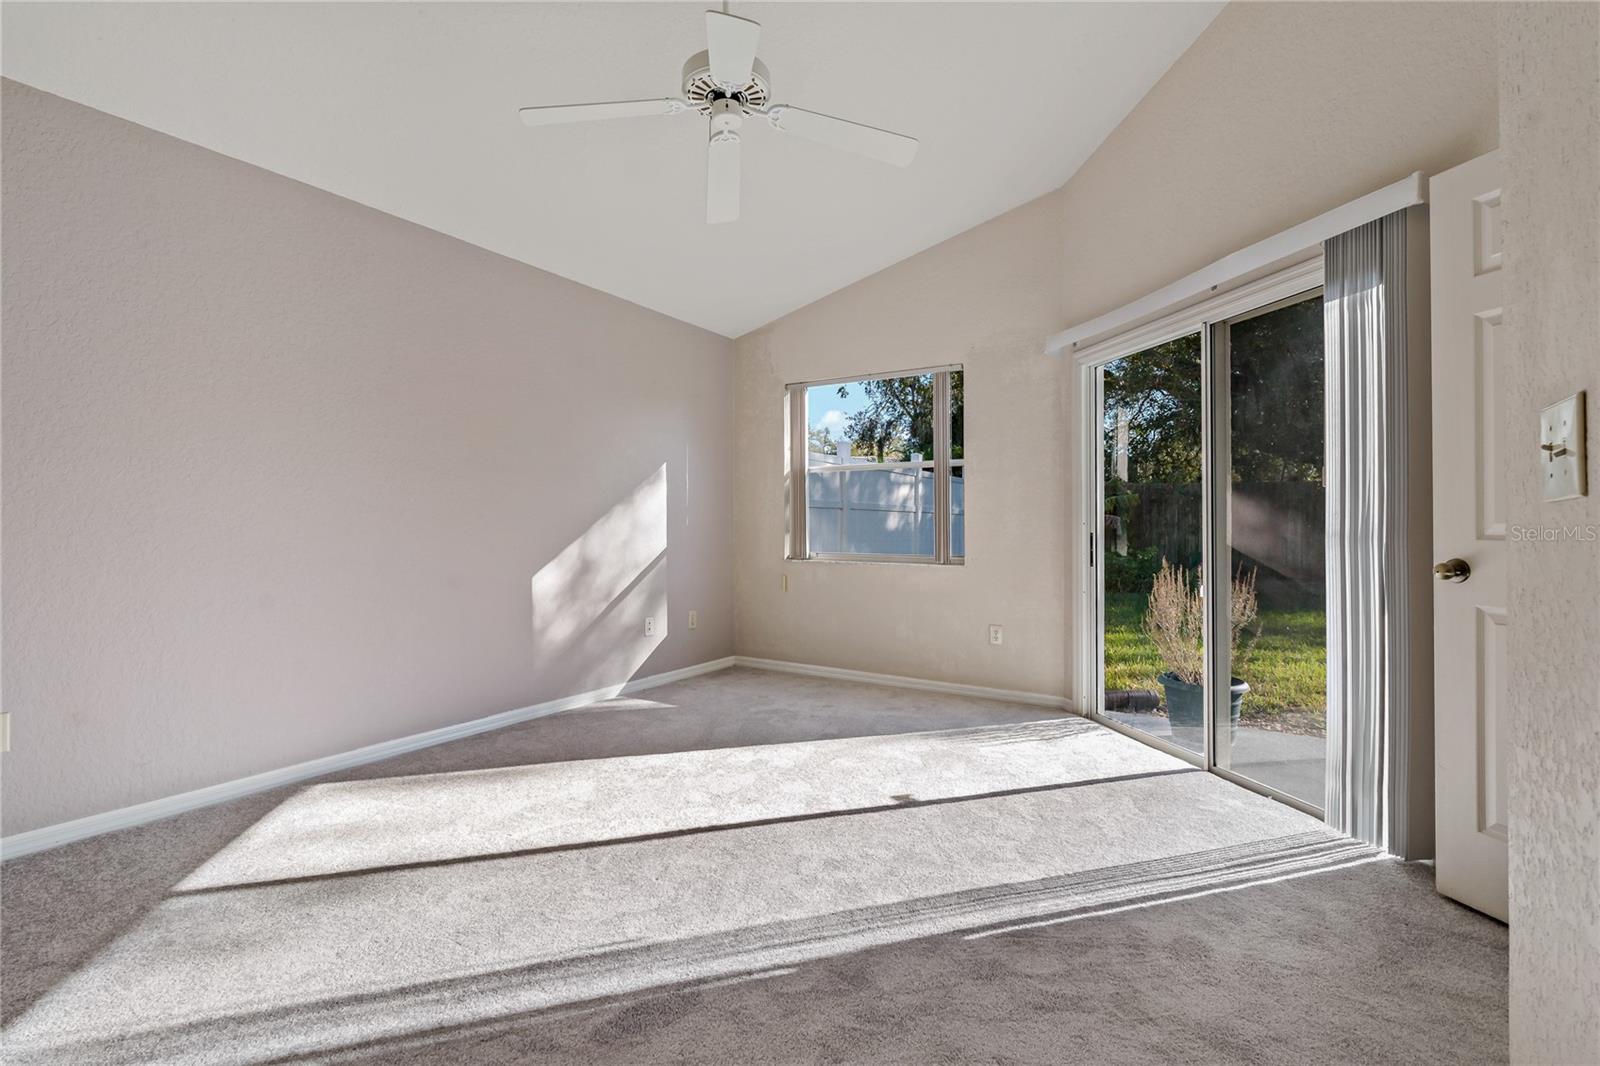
(824, 407)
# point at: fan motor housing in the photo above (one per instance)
(701, 90)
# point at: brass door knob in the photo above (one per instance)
(1453, 570)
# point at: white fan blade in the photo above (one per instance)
(561, 113)
(869, 141)
(732, 43)
(722, 177)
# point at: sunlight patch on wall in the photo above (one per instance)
(598, 591)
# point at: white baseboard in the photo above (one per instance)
(53, 836)
(1036, 699)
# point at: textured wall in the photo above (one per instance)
(1550, 136)
(1260, 125)
(985, 299)
(284, 475)
(1277, 113)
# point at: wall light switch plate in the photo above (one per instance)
(5, 731)
(1563, 454)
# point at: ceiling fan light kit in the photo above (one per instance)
(727, 84)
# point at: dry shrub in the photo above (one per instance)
(1174, 619)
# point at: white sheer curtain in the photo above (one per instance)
(1370, 654)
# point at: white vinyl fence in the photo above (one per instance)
(867, 508)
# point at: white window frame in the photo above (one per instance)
(798, 548)
(1287, 283)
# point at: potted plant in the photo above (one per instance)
(1174, 620)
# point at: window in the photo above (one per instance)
(883, 467)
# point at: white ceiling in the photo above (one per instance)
(412, 109)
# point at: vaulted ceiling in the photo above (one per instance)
(412, 109)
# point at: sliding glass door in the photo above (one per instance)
(1152, 529)
(1273, 500)
(1206, 560)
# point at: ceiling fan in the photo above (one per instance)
(728, 84)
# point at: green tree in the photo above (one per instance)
(1158, 392)
(897, 420)
(1276, 365)
(1275, 392)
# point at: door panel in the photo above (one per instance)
(1493, 730)
(1472, 723)
(1151, 517)
(1271, 441)
(1488, 472)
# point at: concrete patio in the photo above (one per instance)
(1289, 762)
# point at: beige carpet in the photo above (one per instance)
(748, 867)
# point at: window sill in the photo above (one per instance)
(890, 560)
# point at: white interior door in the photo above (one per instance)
(1472, 732)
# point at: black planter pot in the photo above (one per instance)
(1186, 710)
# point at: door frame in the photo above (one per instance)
(1255, 295)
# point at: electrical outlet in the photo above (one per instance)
(694, 619)
(649, 627)
(997, 635)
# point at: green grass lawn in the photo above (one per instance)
(1287, 667)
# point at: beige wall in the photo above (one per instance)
(284, 475)
(1550, 129)
(985, 299)
(1278, 112)
(1258, 126)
